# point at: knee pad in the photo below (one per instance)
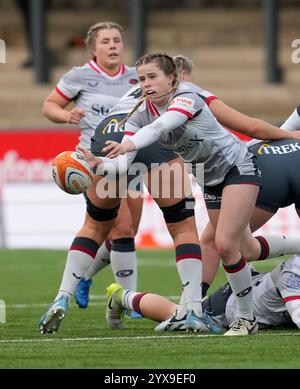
(100, 214)
(180, 211)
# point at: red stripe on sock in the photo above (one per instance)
(265, 244)
(188, 256)
(108, 245)
(235, 267)
(136, 302)
(84, 250)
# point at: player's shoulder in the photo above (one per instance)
(77, 72)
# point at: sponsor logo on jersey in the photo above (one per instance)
(182, 103)
(293, 282)
(267, 149)
(98, 110)
(112, 126)
(133, 81)
(93, 83)
(191, 143)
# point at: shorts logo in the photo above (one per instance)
(124, 273)
(212, 198)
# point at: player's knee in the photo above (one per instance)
(101, 214)
(207, 239)
(122, 229)
(224, 246)
(179, 211)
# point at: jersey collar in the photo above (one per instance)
(93, 64)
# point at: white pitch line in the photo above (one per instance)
(101, 301)
(126, 338)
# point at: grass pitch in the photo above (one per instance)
(29, 280)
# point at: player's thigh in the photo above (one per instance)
(104, 193)
(169, 183)
(238, 202)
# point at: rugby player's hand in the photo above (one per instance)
(114, 149)
(75, 115)
(90, 158)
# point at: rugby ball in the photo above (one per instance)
(71, 172)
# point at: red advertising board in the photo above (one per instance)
(26, 155)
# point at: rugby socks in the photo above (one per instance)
(276, 245)
(239, 277)
(124, 263)
(131, 300)
(101, 261)
(189, 266)
(80, 256)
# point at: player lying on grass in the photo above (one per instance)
(276, 299)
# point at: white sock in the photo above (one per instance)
(128, 297)
(124, 263)
(239, 277)
(100, 262)
(189, 266)
(276, 245)
(80, 257)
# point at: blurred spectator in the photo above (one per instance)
(24, 7)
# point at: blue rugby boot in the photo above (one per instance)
(50, 322)
(204, 323)
(82, 293)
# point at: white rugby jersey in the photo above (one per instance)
(187, 126)
(271, 292)
(96, 91)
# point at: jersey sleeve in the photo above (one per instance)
(69, 85)
(292, 123)
(151, 133)
(207, 96)
(133, 124)
(289, 286)
(186, 103)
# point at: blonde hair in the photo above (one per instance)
(93, 31)
(183, 64)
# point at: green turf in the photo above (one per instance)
(29, 280)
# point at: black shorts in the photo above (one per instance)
(279, 162)
(213, 194)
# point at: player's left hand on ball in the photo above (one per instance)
(89, 157)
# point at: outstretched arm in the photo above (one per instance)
(147, 134)
(244, 124)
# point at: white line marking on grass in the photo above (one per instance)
(101, 301)
(126, 338)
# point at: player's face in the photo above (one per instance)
(155, 84)
(109, 48)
